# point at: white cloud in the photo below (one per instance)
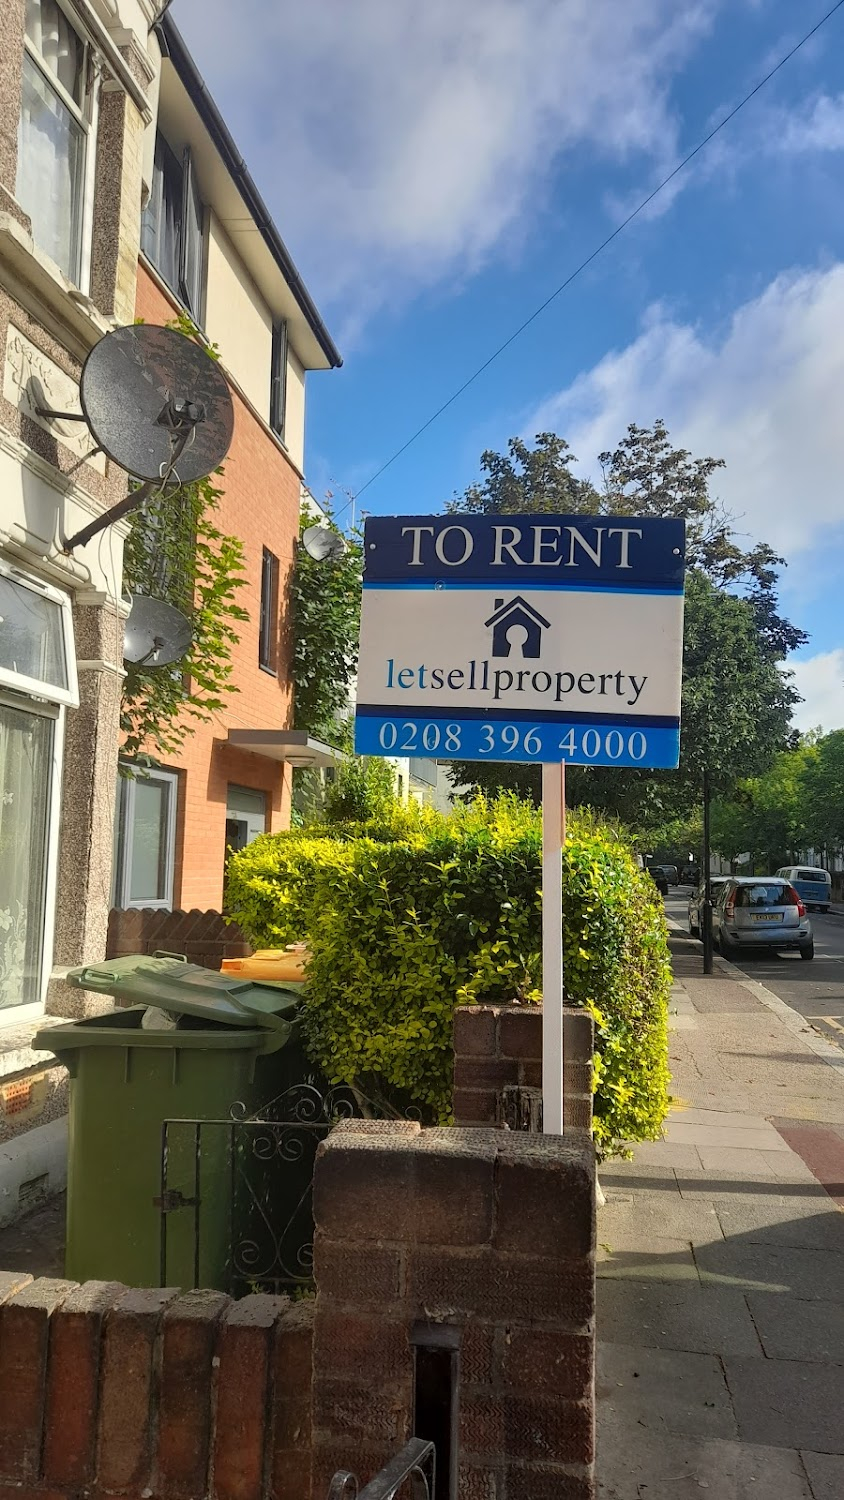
(820, 681)
(763, 393)
(819, 127)
(399, 143)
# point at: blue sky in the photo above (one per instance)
(437, 170)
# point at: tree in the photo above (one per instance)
(822, 786)
(325, 618)
(737, 701)
(766, 815)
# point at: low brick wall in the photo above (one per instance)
(496, 1046)
(490, 1235)
(204, 937)
(140, 1393)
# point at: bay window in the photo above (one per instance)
(37, 680)
(55, 159)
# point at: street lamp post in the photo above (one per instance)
(707, 882)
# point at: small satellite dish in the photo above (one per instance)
(156, 633)
(142, 386)
(323, 544)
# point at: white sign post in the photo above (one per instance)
(553, 1041)
(546, 639)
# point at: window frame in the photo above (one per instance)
(192, 212)
(124, 836)
(86, 116)
(15, 1015)
(16, 682)
(268, 617)
(278, 378)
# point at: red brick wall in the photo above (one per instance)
(260, 504)
(499, 1046)
(139, 1393)
(491, 1233)
(202, 936)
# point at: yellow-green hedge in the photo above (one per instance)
(412, 914)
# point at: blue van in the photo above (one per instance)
(814, 887)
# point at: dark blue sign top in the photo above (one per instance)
(609, 552)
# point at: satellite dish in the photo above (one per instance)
(155, 634)
(323, 544)
(144, 386)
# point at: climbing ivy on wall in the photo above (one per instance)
(176, 551)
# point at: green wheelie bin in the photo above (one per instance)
(146, 1205)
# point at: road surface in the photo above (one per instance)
(815, 990)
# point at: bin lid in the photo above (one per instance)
(170, 983)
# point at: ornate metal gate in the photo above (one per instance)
(236, 1195)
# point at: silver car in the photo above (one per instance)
(761, 911)
(696, 900)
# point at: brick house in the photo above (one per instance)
(76, 98)
(209, 246)
(122, 194)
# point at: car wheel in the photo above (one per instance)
(824, 908)
(693, 932)
(807, 951)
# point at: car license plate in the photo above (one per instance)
(765, 916)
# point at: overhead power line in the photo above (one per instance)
(599, 249)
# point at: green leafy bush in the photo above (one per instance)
(414, 912)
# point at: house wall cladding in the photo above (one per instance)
(491, 1233)
(204, 937)
(497, 1047)
(146, 1392)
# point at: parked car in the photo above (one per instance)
(696, 903)
(761, 911)
(812, 886)
(657, 875)
(670, 872)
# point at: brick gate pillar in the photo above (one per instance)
(483, 1238)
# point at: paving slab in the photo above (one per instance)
(697, 1319)
(665, 1390)
(729, 999)
(729, 1186)
(637, 1464)
(748, 1163)
(640, 1220)
(788, 1166)
(740, 1119)
(826, 1475)
(815, 1275)
(666, 1154)
(645, 1181)
(752, 1136)
(663, 1260)
(783, 1403)
(796, 1328)
(803, 1222)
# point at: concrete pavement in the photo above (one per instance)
(721, 1262)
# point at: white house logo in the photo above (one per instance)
(516, 625)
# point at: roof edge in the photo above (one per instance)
(175, 47)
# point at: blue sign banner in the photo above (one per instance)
(537, 638)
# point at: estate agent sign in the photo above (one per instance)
(526, 638)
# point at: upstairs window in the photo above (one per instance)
(268, 634)
(172, 231)
(278, 380)
(54, 147)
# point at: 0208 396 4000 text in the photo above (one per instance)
(623, 741)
